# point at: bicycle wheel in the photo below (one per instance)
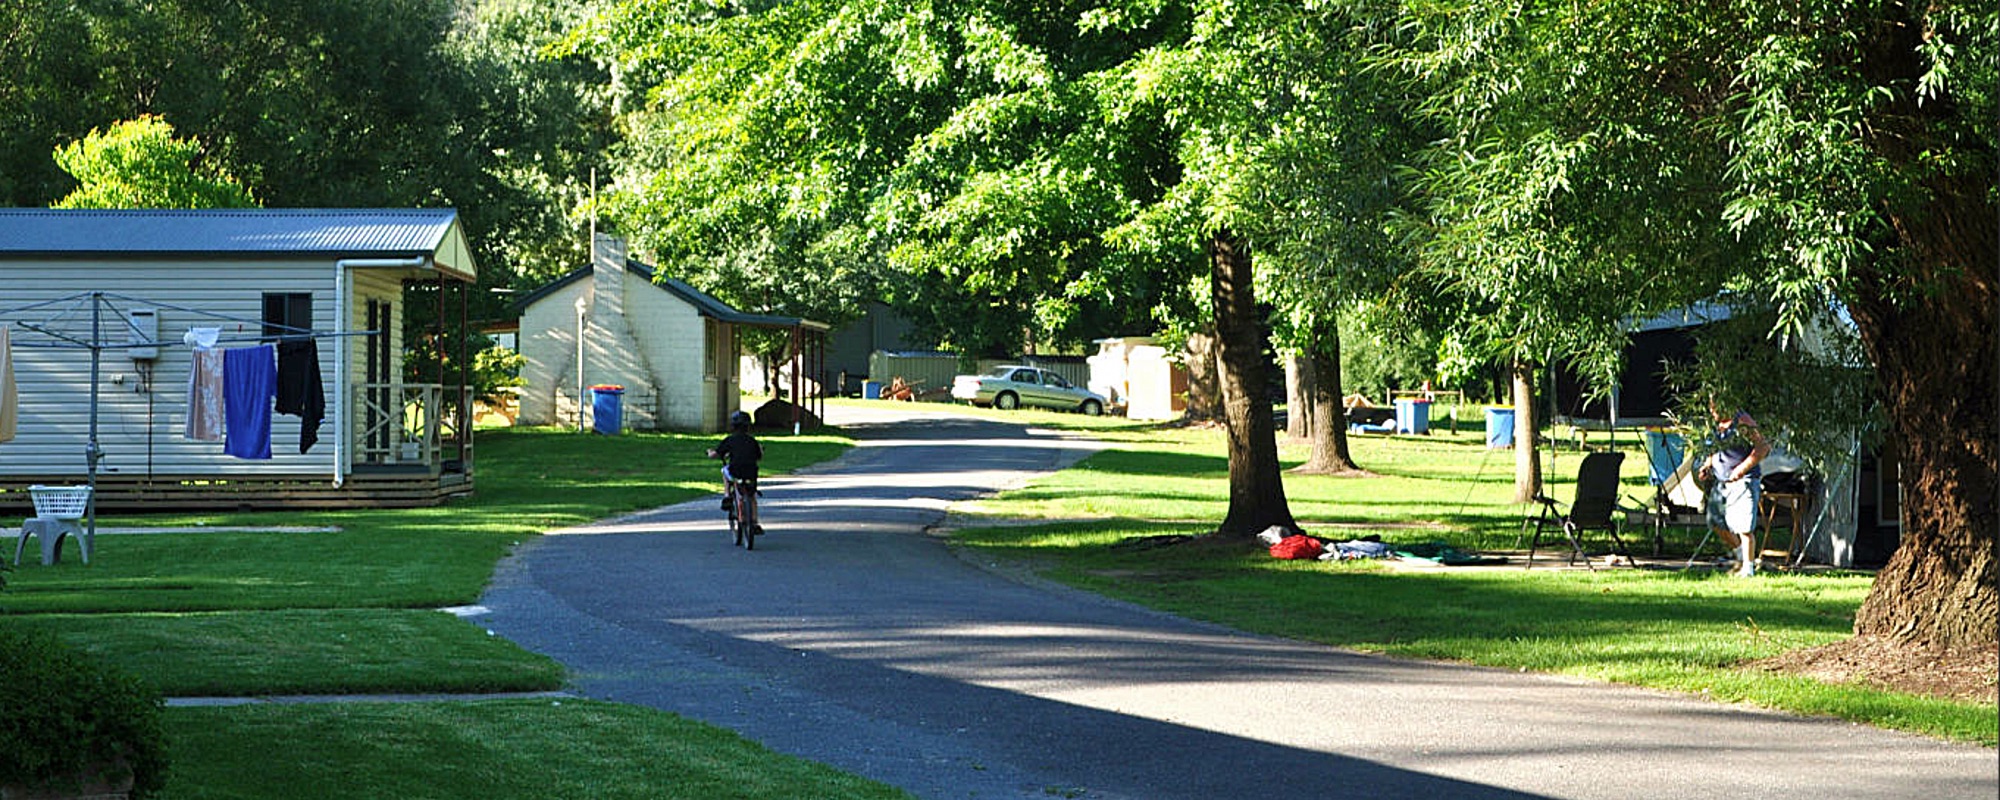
(748, 501)
(735, 517)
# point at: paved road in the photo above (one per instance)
(855, 638)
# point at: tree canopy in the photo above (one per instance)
(1605, 159)
(1520, 177)
(139, 164)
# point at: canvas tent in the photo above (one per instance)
(1848, 520)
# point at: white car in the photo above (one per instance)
(1013, 386)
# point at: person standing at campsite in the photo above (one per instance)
(1737, 488)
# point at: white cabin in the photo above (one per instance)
(671, 347)
(111, 293)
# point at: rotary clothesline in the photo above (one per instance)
(62, 321)
(101, 301)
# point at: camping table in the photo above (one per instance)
(1794, 506)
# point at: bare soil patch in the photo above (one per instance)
(1967, 675)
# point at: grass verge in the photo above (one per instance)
(490, 749)
(354, 611)
(1689, 631)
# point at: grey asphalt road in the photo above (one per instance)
(854, 636)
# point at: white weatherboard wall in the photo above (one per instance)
(666, 331)
(1158, 386)
(142, 406)
(636, 334)
(548, 348)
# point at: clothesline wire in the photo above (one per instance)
(96, 344)
(76, 301)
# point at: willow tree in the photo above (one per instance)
(1805, 154)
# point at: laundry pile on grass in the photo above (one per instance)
(1287, 545)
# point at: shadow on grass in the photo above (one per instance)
(1365, 605)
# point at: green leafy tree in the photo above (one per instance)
(544, 116)
(1283, 146)
(139, 164)
(749, 159)
(804, 158)
(1329, 178)
(51, 94)
(328, 103)
(1602, 159)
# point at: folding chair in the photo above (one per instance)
(1677, 500)
(1591, 509)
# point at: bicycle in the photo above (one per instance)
(743, 513)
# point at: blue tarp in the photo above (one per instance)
(1664, 452)
(1499, 426)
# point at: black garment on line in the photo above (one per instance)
(300, 393)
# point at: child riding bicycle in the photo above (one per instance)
(740, 453)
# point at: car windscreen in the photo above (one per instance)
(1001, 372)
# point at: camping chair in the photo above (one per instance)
(1677, 499)
(1591, 509)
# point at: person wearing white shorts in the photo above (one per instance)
(1738, 488)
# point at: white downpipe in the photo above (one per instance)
(339, 373)
(341, 427)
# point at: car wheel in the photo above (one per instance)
(1007, 401)
(1092, 408)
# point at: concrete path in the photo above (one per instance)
(855, 638)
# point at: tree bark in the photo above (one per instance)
(1527, 463)
(1938, 362)
(1937, 372)
(1256, 485)
(1204, 402)
(1299, 394)
(1926, 312)
(1329, 429)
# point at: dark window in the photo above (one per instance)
(287, 313)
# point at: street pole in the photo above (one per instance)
(582, 314)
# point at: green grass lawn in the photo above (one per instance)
(490, 749)
(356, 610)
(1691, 631)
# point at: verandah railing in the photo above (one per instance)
(408, 424)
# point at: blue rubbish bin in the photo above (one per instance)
(1499, 426)
(1413, 416)
(871, 390)
(607, 414)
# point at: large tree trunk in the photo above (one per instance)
(1527, 462)
(1204, 402)
(1936, 364)
(1329, 429)
(1935, 355)
(1256, 485)
(1299, 392)
(1926, 312)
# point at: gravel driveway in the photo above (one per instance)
(855, 637)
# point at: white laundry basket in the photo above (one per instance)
(60, 502)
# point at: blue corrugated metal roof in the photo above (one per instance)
(342, 232)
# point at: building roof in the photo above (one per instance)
(704, 303)
(432, 233)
